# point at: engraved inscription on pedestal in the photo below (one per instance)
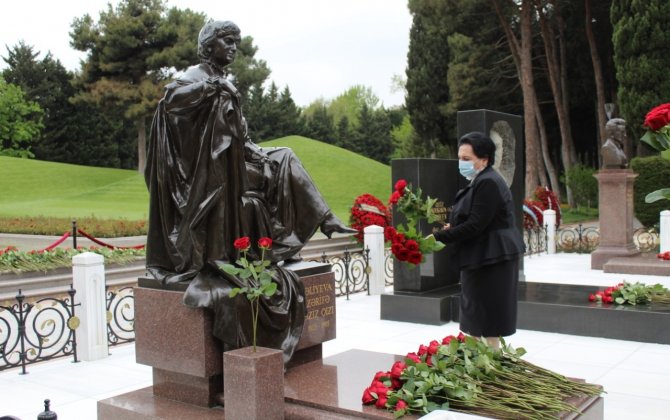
(319, 310)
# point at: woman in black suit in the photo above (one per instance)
(488, 243)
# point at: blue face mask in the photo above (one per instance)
(467, 168)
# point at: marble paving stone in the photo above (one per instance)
(636, 383)
(627, 407)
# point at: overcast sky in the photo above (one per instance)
(319, 48)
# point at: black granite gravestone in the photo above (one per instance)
(421, 294)
(506, 131)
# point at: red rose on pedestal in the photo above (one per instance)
(265, 243)
(242, 243)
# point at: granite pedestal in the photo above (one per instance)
(615, 214)
(187, 359)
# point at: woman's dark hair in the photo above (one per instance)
(482, 145)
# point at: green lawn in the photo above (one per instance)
(39, 188)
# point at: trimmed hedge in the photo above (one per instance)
(100, 228)
(653, 174)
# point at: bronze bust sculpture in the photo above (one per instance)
(210, 184)
(612, 151)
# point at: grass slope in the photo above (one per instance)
(340, 175)
(38, 188)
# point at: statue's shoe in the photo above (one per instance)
(333, 224)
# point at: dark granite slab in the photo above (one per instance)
(328, 389)
(565, 309)
(434, 307)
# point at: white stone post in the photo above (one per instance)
(373, 240)
(665, 230)
(88, 271)
(549, 217)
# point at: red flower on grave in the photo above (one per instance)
(433, 347)
(397, 369)
(395, 197)
(658, 117)
(400, 405)
(413, 357)
(400, 186)
(265, 243)
(411, 245)
(368, 398)
(415, 258)
(242, 243)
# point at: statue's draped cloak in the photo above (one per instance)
(209, 185)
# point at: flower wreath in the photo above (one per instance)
(368, 210)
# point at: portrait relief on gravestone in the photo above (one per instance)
(503, 136)
(210, 184)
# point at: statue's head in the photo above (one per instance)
(616, 129)
(213, 31)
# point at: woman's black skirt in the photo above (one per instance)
(488, 303)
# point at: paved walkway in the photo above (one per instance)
(635, 375)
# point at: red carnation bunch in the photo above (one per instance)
(368, 210)
(407, 243)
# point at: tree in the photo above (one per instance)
(640, 41)
(320, 125)
(372, 137)
(349, 103)
(247, 71)
(427, 64)
(20, 121)
(132, 50)
(521, 50)
(49, 84)
(290, 122)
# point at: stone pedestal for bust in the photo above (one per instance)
(615, 209)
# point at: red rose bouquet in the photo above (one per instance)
(462, 373)
(257, 275)
(657, 124)
(368, 210)
(407, 243)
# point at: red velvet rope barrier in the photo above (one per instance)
(55, 244)
(110, 246)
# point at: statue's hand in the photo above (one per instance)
(223, 84)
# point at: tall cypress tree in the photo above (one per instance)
(641, 57)
(427, 64)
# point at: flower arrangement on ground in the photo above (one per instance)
(407, 242)
(632, 294)
(543, 199)
(257, 276)
(368, 210)
(462, 373)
